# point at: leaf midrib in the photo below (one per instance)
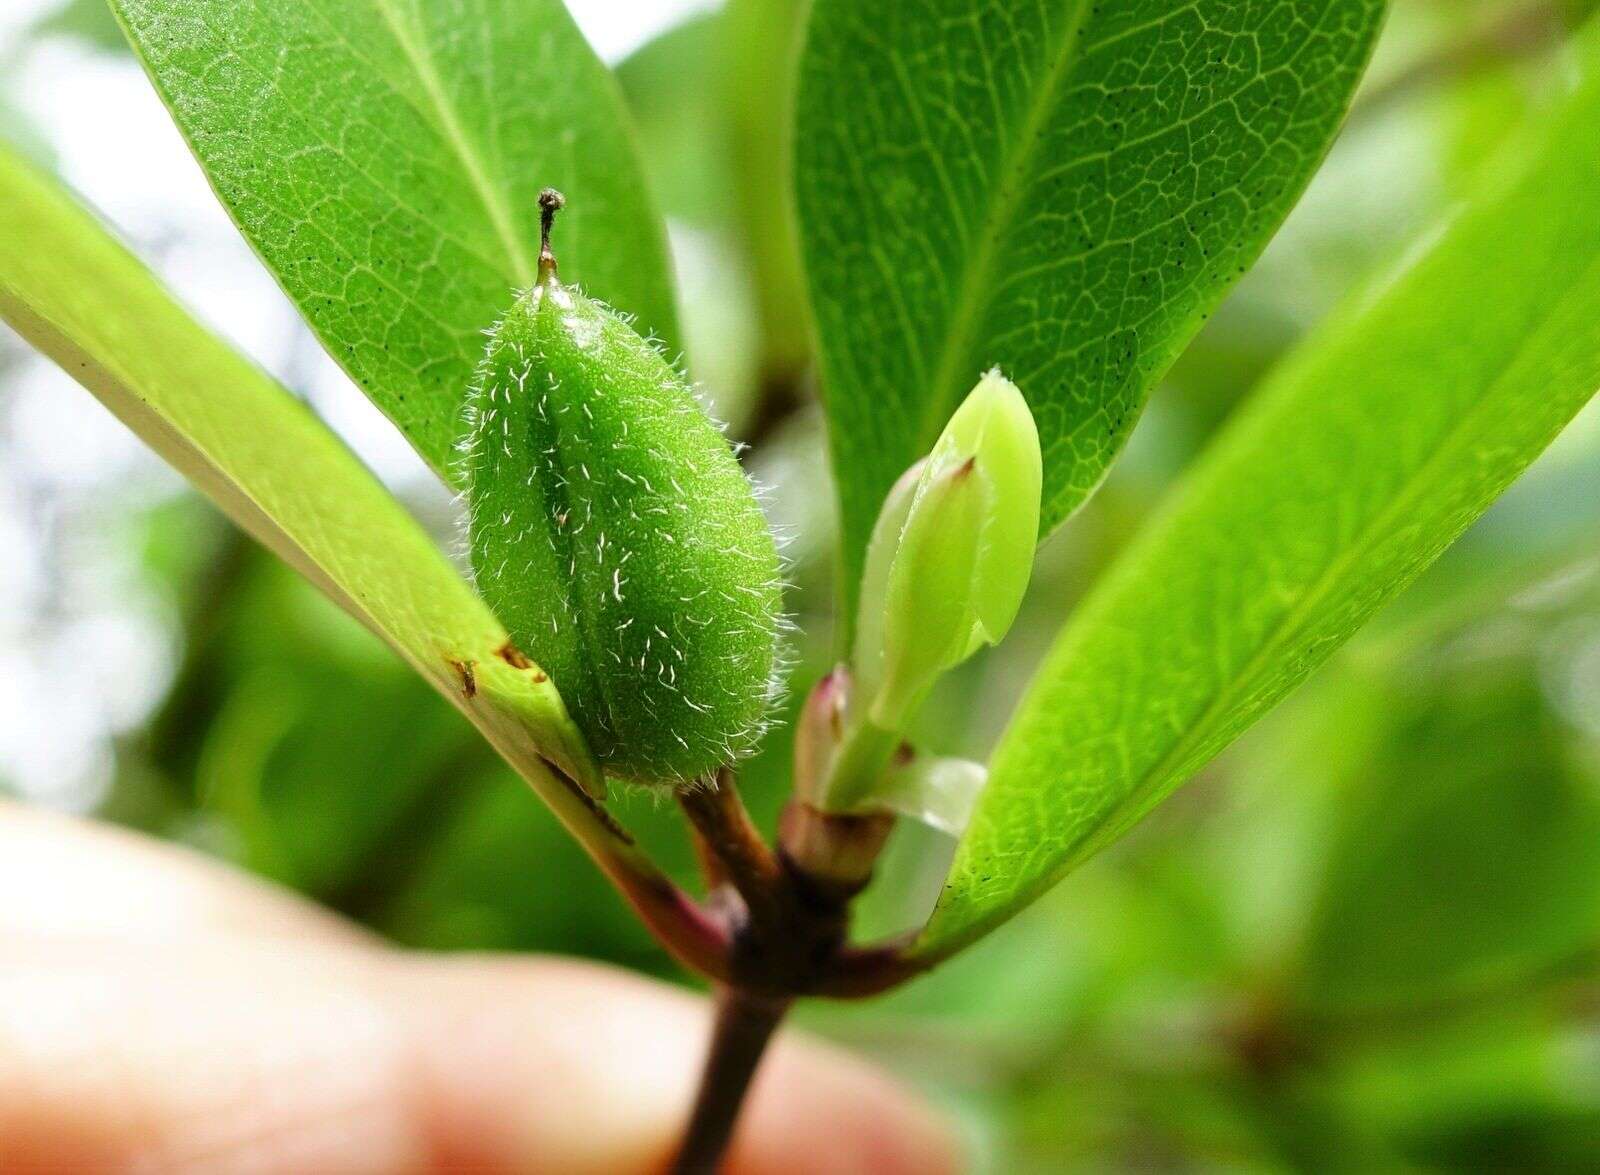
(456, 138)
(984, 255)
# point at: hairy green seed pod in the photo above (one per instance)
(614, 533)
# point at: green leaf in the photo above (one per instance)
(1463, 859)
(384, 157)
(670, 84)
(760, 41)
(81, 298)
(1060, 190)
(1370, 449)
(89, 21)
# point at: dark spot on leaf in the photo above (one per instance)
(514, 657)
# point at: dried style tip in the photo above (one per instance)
(550, 202)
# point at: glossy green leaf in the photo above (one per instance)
(384, 157)
(81, 298)
(1363, 457)
(1060, 190)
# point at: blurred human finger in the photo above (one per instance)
(160, 1012)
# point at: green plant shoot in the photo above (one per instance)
(946, 570)
(964, 550)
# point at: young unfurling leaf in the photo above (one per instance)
(613, 531)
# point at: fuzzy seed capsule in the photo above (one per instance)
(614, 533)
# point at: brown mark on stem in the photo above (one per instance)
(596, 808)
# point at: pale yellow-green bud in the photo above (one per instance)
(958, 548)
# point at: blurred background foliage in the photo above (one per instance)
(1366, 938)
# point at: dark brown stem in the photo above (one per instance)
(780, 395)
(730, 838)
(694, 936)
(745, 1024)
(859, 972)
(833, 851)
(711, 869)
(785, 914)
